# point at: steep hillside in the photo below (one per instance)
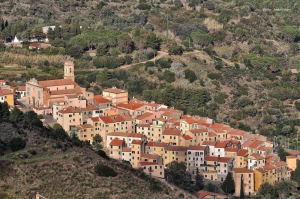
(59, 167)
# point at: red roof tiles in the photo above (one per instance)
(116, 142)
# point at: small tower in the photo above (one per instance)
(69, 70)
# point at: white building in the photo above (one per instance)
(195, 158)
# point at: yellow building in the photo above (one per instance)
(265, 174)
(175, 153)
(153, 132)
(85, 132)
(248, 180)
(70, 117)
(115, 95)
(186, 140)
(7, 96)
(115, 149)
(242, 158)
(136, 153)
(153, 169)
(171, 136)
(159, 149)
(291, 162)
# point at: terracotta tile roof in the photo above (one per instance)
(95, 119)
(204, 124)
(242, 170)
(176, 124)
(115, 90)
(148, 163)
(167, 113)
(143, 116)
(279, 164)
(135, 135)
(255, 136)
(7, 92)
(35, 45)
(150, 156)
(196, 148)
(219, 128)
(130, 105)
(171, 131)
(221, 144)
(107, 119)
(90, 107)
(3, 81)
(242, 152)
(116, 142)
(202, 130)
(212, 134)
(293, 152)
(237, 132)
(175, 148)
(126, 149)
(73, 92)
(231, 149)
(100, 99)
(70, 110)
(121, 134)
(186, 137)
(154, 104)
(290, 157)
(143, 125)
(253, 144)
(150, 143)
(1, 92)
(203, 194)
(209, 143)
(256, 156)
(136, 142)
(172, 120)
(160, 144)
(84, 126)
(160, 119)
(262, 148)
(190, 121)
(217, 159)
(57, 82)
(21, 88)
(289, 169)
(224, 159)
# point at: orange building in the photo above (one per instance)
(115, 95)
(7, 96)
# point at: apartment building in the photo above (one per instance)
(236, 134)
(255, 161)
(291, 162)
(115, 149)
(153, 131)
(70, 117)
(85, 132)
(171, 136)
(248, 179)
(216, 168)
(242, 158)
(211, 146)
(175, 153)
(115, 95)
(195, 158)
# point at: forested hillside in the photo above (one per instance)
(233, 61)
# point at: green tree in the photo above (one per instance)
(282, 153)
(190, 75)
(177, 175)
(2, 47)
(16, 115)
(169, 76)
(57, 32)
(242, 194)
(244, 101)
(102, 49)
(174, 48)
(57, 126)
(4, 111)
(228, 185)
(289, 33)
(51, 34)
(297, 105)
(211, 188)
(200, 38)
(38, 33)
(295, 175)
(266, 189)
(199, 181)
(97, 139)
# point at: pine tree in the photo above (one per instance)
(228, 185)
(242, 195)
(4, 111)
(199, 181)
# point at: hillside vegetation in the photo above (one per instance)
(228, 60)
(35, 159)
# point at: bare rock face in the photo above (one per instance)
(184, 82)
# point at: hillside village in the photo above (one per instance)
(151, 136)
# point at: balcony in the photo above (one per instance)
(150, 169)
(208, 171)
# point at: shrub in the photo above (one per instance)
(102, 154)
(218, 66)
(190, 75)
(214, 76)
(164, 63)
(149, 64)
(154, 187)
(104, 170)
(169, 76)
(17, 144)
(32, 152)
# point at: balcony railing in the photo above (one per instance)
(209, 171)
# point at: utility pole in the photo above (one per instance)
(167, 27)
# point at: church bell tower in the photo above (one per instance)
(69, 70)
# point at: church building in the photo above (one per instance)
(45, 93)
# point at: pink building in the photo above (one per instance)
(147, 118)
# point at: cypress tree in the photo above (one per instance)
(199, 181)
(242, 195)
(4, 111)
(57, 32)
(228, 185)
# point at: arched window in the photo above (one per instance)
(70, 70)
(39, 94)
(28, 91)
